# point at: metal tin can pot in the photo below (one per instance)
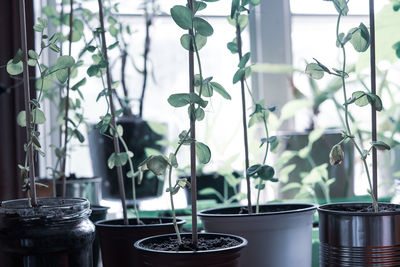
(355, 238)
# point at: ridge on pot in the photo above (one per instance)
(352, 234)
(222, 257)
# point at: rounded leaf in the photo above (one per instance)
(182, 16)
(14, 69)
(203, 152)
(203, 27)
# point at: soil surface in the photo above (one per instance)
(171, 244)
(383, 207)
(263, 209)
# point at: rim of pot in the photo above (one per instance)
(106, 223)
(301, 207)
(241, 245)
(49, 207)
(326, 209)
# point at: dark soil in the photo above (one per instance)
(171, 244)
(383, 207)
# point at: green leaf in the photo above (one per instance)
(315, 71)
(380, 145)
(210, 191)
(113, 45)
(182, 16)
(238, 75)
(78, 84)
(111, 161)
(235, 7)
(64, 62)
(360, 38)
(232, 46)
(183, 99)
(203, 27)
(186, 42)
(220, 90)
(266, 172)
(55, 48)
(14, 69)
(341, 6)
(79, 135)
(244, 60)
(203, 153)
(252, 170)
(93, 70)
(361, 99)
(62, 75)
(315, 135)
(173, 160)
(32, 54)
(199, 114)
(157, 164)
(290, 186)
(21, 118)
(260, 187)
(18, 56)
(38, 116)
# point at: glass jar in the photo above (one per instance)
(56, 233)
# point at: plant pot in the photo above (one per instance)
(295, 141)
(354, 238)
(117, 239)
(82, 187)
(98, 213)
(56, 233)
(138, 136)
(279, 236)
(216, 182)
(223, 257)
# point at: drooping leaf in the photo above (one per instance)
(380, 145)
(220, 90)
(314, 71)
(266, 172)
(360, 38)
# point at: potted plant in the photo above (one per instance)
(41, 231)
(140, 135)
(116, 236)
(190, 249)
(357, 233)
(270, 229)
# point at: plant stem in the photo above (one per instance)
(244, 117)
(27, 95)
(171, 198)
(64, 161)
(113, 122)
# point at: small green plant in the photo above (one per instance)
(187, 18)
(359, 37)
(261, 172)
(33, 115)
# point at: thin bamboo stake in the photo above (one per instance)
(27, 95)
(373, 90)
(112, 109)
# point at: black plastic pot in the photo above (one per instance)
(98, 213)
(82, 187)
(279, 236)
(224, 257)
(56, 233)
(117, 239)
(138, 136)
(217, 182)
(355, 238)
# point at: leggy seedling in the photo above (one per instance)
(359, 37)
(262, 172)
(187, 18)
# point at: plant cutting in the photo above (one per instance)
(41, 231)
(371, 242)
(140, 135)
(116, 236)
(190, 249)
(269, 229)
